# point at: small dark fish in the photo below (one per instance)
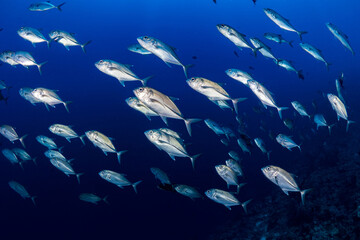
(2, 98)
(1, 29)
(254, 1)
(214, 1)
(247, 139)
(236, 54)
(166, 187)
(252, 68)
(194, 57)
(341, 80)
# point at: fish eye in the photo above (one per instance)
(192, 79)
(141, 89)
(146, 38)
(101, 61)
(268, 169)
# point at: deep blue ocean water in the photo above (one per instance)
(98, 104)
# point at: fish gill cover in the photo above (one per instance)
(179, 119)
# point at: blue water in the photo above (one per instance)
(98, 104)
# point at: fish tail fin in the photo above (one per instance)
(193, 158)
(82, 139)
(327, 65)
(34, 160)
(244, 205)
(330, 127)
(78, 175)
(301, 33)
(105, 199)
(84, 45)
(40, 65)
(21, 165)
(348, 123)
(303, 192)
(186, 67)
(48, 43)
(299, 146)
(119, 153)
(59, 6)
(300, 74)
(268, 155)
(60, 149)
(235, 102)
(291, 43)
(33, 200)
(144, 80)
(66, 105)
(22, 140)
(280, 109)
(135, 184)
(188, 123)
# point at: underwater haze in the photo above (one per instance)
(323, 160)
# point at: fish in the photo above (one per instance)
(214, 126)
(11, 156)
(26, 93)
(118, 179)
(47, 142)
(119, 71)
(339, 85)
(289, 123)
(25, 59)
(225, 198)
(284, 180)
(235, 37)
(239, 75)
(8, 57)
(66, 132)
(212, 90)
(65, 167)
(160, 175)
(243, 146)
(33, 35)
(23, 155)
(20, 189)
(300, 109)
(264, 96)
(136, 104)
(222, 104)
(236, 54)
(229, 176)
(67, 39)
(261, 145)
(56, 154)
(171, 133)
(288, 66)
(321, 122)
(342, 37)
(277, 38)
(137, 48)
(44, 6)
(282, 22)
(92, 198)
(163, 51)
(234, 155)
(235, 166)
(3, 86)
(49, 97)
(170, 144)
(286, 142)
(187, 191)
(263, 48)
(104, 143)
(162, 105)
(316, 53)
(339, 107)
(10, 133)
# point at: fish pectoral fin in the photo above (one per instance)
(67, 47)
(172, 157)
(164, 120)
(120, 186)
(286, 192)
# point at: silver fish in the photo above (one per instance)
(26, 93)
(284, 180)
(282, 22)
(264, 96)
(10, 133)
(234, 155)
(222, 104)
(23, 155)
(66, 39)
(119, 71)
(118, 179)
(263, 48)
(316, 53)
(300, 108)
(339, 108)
(239, 75)
(289, 67)
(243, 146)
(92, 198)
(8, 57)
(217, 129)
(25, 59)
(225, 198)
(32, 35)
(235, 166)
(66, 132)
(188, 191)
(47, 142)
(260, 143)
(235, 37)
(49, 97)
(10, 155)
(104, 143)
(160, 175)
(171, 133)
(338, 83)
(162, 105)
(136, 104)
(163, 51)
(228, 175)
(137, 48)
(277, 38)
(65, 167)
(56, 154)
(286, 142)
(321, 122)
(340, 36)
(20, 189)
(44, 6)
(212, 90)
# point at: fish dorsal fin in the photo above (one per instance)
(346, 36)
(173, 48)
(72, 34)
(128, 65)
